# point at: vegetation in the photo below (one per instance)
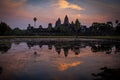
(65, 29)
(5, 29)
(107, 74)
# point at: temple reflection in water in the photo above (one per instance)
(36, 59)
(75, 46)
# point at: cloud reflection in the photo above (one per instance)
(65, 66)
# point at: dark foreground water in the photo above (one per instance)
(54, 59)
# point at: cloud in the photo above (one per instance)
(65, 4)
(51, 13)
(107, 9)
(12, 8)
(21, 12)
(14, 13)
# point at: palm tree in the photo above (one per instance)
(117, 21)
(34, 19)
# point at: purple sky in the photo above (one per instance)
(20, 13)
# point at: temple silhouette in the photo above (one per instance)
(59, 28)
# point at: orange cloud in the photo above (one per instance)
(66, 4)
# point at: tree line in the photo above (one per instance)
(65, 28)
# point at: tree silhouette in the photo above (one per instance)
(5, 29)
(34, 19)
(118, 29)
(117, 21)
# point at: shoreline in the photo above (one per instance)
(65, 37)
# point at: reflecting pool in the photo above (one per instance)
(56, 59)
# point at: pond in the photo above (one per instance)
(56, 59)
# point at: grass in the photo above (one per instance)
(101, 37)
(84, 37)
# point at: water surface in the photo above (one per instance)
(53, 59)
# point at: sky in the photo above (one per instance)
(20, 13)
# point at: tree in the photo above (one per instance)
(94, 29)
(5, 29)
(110, 23)
(117, 21)
(40, 27)
(101, 28)
(109, 28)
(17, 31)
(117, 30)
(34, 19)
